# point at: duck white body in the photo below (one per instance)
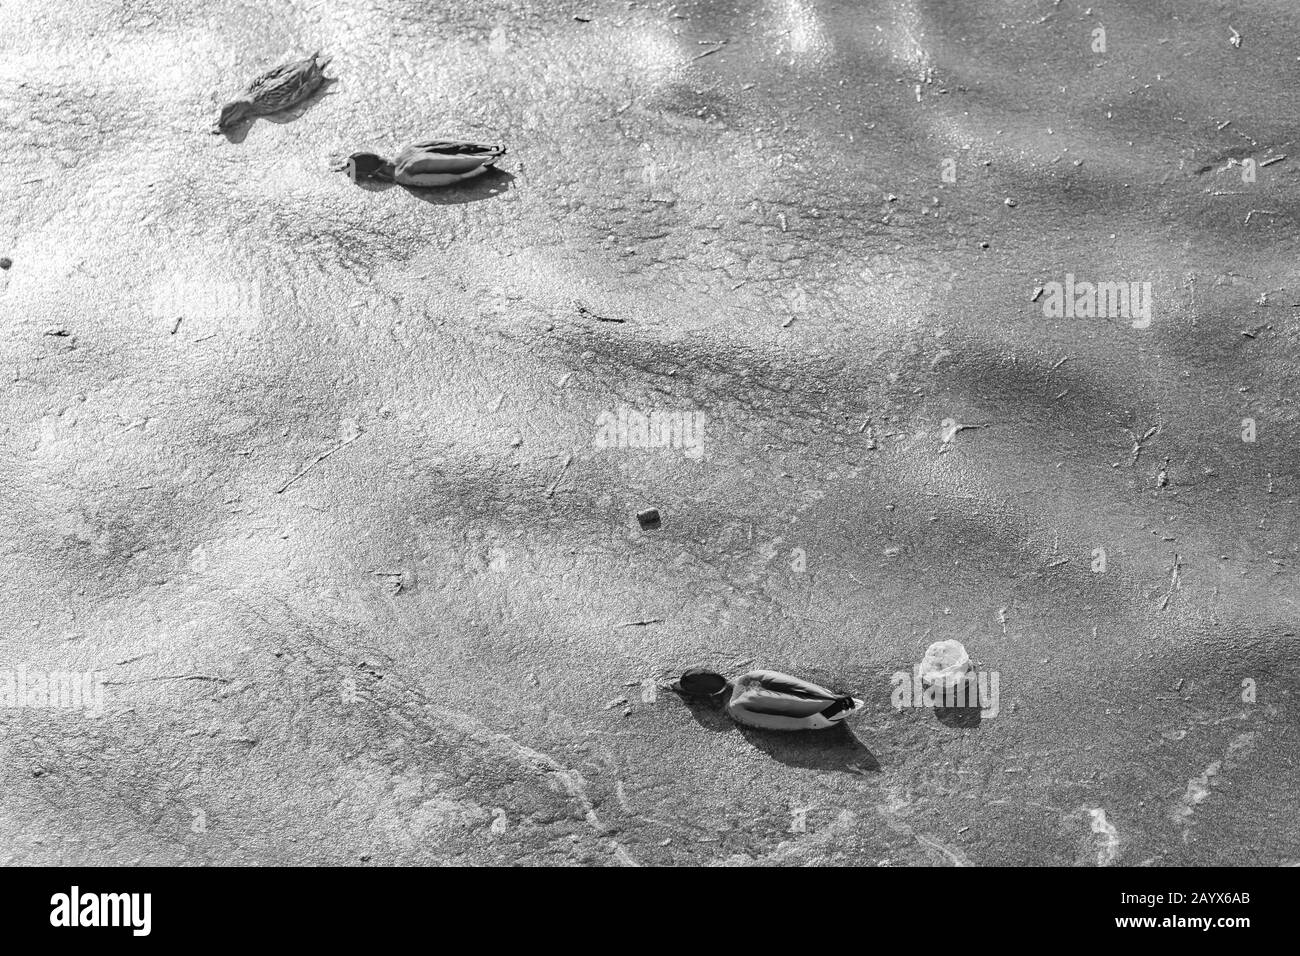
(435, 162)
(442, 162)
(775, 701)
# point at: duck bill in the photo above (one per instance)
(232, 114)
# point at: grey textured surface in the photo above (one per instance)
(735, 210)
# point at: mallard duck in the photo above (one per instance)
(435, 162)
(771, 700)
(276, 90)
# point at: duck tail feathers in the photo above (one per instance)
(842, 707)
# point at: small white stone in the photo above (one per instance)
(946, 663)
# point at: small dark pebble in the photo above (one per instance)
(5, 262)
(38, 772)
(648, 519)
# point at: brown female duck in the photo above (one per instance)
(275, 90)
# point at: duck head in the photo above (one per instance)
(362, 166)
(234, 113)
(698, 682)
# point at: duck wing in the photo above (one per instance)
(770, 692)
(288, 83)
(446, 156)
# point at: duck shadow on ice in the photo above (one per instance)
(488, 184)
(835, 749)
(238, 133)
(963, 717)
